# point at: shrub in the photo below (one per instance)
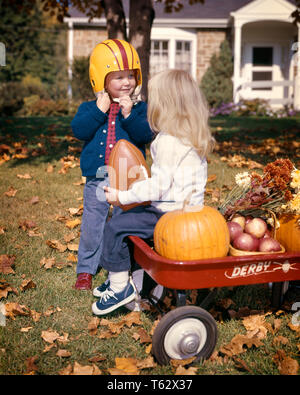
(253, 107)
(81, 86)
(14, 93)
(216, 83)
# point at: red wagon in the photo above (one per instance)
(190, 331)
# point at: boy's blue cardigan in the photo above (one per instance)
(91, 125)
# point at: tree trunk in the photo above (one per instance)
(115, 19)
(141, 17)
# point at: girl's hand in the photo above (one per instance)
(112, 195)
(126, 105)
(103, 102)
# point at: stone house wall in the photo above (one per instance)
(85, 39)
(208, 43)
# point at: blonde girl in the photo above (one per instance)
(178, 114)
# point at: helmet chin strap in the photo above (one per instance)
(135, 96)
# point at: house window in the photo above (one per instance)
(159, 56)
(183, 59)
(262, 56)
(170, 54)
(262, 66)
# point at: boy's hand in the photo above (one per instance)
(103, 102)
(112, 195)
(126, 105)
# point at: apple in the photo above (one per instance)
(268, 244)
(235, 230)
(240, 220)
(246, 242)
(257, 227)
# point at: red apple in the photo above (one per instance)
(235, 230)
(256, 227)
(246, 242)
(268, 244)
(240, 220)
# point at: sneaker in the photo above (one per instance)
(110, 301)
(102, 288)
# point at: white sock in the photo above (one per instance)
(118, 280)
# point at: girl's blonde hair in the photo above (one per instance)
(177, 107)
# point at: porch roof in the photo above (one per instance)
(262, 10)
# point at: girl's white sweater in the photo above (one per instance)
(176, 172)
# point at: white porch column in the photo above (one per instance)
(237, 60)
(297, 76)
(70, 56)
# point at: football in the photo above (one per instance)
(126, 166)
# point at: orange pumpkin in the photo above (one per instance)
(288, 233)
(195, 232)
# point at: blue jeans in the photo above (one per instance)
(139, 221)
(95, 213)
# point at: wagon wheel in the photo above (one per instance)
(185, 332)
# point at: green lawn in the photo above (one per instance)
(40, 206)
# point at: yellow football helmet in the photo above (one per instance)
(113, 55)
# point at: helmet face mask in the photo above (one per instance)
(113, 55)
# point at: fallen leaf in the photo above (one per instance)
(97, 358)
(71, 224)
(93, 325)
(181, 362)
(76, 211)
(56, 245)
(143, 336)
(13, 309)
(27, 329)
(27, 284)
(6, 263)
(280, 340)
(50, 336)
(240, 364)
(289, 366)
(35, 315)
(191, 371)
(72, 247)
(50, 168)
(89, 370)
(5, 288)
(147, 363)
(66, 371)
(133, 318)
(117, 372)
(236, 345)
(295, 328)
(27, 224)
(11, 192)
(211, 178)
(70, 237)
(25, 176)
(34, 200)
(30, 364)
(63, 353)
(256, 326)
(129, 365)
(47, 262)
(286, 364)
(49, 311)
(71, 258)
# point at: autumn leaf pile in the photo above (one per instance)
(49, 327)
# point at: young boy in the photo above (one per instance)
(116, 79)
